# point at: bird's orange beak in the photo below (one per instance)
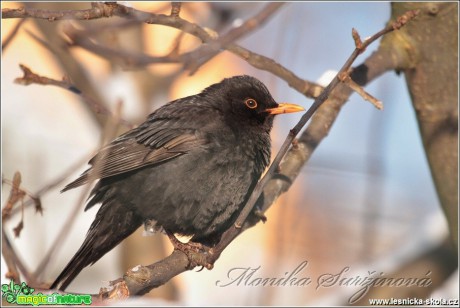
(285, 108)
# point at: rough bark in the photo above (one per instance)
(428, 49)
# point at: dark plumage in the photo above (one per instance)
(190, 168)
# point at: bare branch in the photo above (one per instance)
(10, 259)
(97, 11)
(14, 262)
(32, 78)
(175, 9)
(357, 39)
(309, 89)
(63, 233)
(346, 79)
(141, 279)
(16, 195)
(35, 197)
(124, 57)
(206, 52)
(13, 33)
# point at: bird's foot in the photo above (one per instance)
(196, 252)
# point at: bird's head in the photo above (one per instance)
(247, 101)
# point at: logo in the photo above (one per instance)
(22, 294)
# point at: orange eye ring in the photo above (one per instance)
(250, 103)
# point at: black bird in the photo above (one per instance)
(188, 169)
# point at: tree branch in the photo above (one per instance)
(32, 78)
(14, 262)
(12, 34)
(175, 8)
(204, 53)
(431, 71)
(309, 89)
(10, 259)
(98, 10)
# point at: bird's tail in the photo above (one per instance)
(113, 223)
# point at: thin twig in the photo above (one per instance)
(51, 185)
(63, 233)
(14, 260)
(97, 11)
(10, 259)
(123, 57)
(17, 230)
(33, 198)
(346, 79)
(16, 195)
(30, 77)
(176, 45)
(204, 53)
(56, 45)
(12, 34)
(175, 9)
(357, 39)
(309, 89)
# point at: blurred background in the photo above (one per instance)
(364, 201)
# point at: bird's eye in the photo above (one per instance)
(250, 103)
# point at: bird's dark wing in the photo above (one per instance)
(155, 141)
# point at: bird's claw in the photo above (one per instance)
(197, 258)
(195, 252)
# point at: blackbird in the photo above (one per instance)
(188, 169)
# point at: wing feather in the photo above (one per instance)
(167, 134)
(128, 155)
